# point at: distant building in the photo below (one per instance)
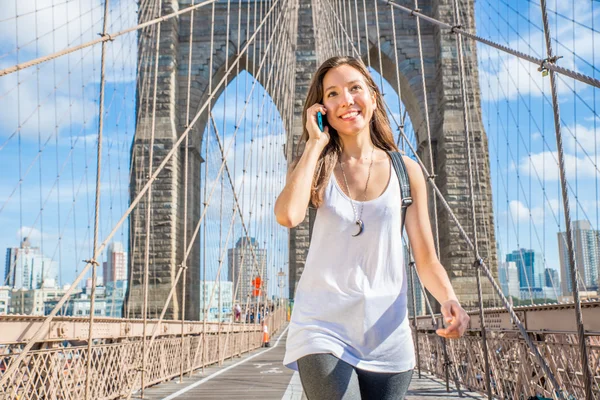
(530, 267)
(27, 268)
(5, 295)
(508, 275)
(108, 301)
(536, 293)
(115, 266)
(222, 296)
(552, 279)
(32, 301)
(115, 295)
(78, 306)
(583, 295)
(245, 262)
(586, 243)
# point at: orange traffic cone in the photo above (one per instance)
(266, 342)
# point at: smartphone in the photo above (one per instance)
(320, 121)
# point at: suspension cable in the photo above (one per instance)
(587, 373)
(548, 63)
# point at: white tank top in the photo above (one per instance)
(351, 300)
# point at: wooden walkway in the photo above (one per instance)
(261, 375)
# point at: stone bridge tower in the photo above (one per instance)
(445, 111)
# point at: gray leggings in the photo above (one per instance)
(326, 377)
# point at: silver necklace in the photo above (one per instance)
(358, 216)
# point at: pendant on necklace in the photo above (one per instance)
(361, 226)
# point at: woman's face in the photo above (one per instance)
(348, 100)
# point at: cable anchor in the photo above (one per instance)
(550, 60)
(478, 263)
(92, 261)
(108, 35)
(416, 10)
(454, 28)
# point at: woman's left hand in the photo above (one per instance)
(457, 317)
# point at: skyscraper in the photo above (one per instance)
(508, 275)
(115, 267)
(245, 261)
(552, 279)
(27, 268)
(530, 267)
(586, 243)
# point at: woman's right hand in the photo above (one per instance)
(314, 133)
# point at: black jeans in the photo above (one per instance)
(326, 377)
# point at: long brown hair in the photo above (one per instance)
(381, 131)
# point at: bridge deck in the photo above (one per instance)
(261, 375)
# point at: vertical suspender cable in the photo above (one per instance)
(185, 196)
(357, 27)
(149, 205)
(345, 11)
(587, 373)
(398, 85)
(431, 165)
(367, 46)
(411, 269)
(237, 81)
(477, 264)
(379, 48)
(207, 144)
(428, 126)
(93, 261)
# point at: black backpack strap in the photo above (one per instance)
(402, 173)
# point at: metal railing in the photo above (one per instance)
(56, 368)
(514, 373)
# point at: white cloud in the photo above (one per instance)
(267, 185)
(63, 91)
(33, 234)
(55, 27)
(24, 110)
(507, 75)
(587, 139)
(554, 205)
(511, 77)
(592, 118)
(547, 163)
(521, 213)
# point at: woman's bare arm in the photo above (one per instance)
(430, 270)
(292, 202)
(291, 205)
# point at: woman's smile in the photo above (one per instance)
(350, 115)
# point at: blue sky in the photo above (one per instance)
(518, 117)
(516, 109)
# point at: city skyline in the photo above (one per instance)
(26, 267)
(534, 279)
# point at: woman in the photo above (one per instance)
(349, 334)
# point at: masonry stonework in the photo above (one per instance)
(445, 112)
